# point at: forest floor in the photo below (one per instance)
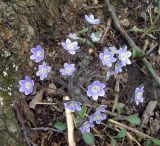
(30, 120)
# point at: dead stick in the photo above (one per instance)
(116, 95)
(130, 41)
(70, 125)
(130, 129)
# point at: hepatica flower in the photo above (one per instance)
(95, 37)
(43, 71)
(118, 67)
(98, 117)
(101, 108)
(107, 58)
(26, 85)
(73, 36)
(73, 105)
(86, 126)
(70, 46)
(91, 19)
(139, 94)
(38, 54)
(68, 69)
(113, 49)
(96, 89)
(124, 55)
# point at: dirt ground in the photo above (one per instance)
(24, 24)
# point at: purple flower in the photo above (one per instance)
(109, 74)
(107, 58)
(91, 19)
(68, 69)
(26, 85)
(96, 89)
(73, 105)
(113, 49)
(38, 54)
(71, 47)
(124, 55)
(98, 117)
(118, 67)
(43, 71)
(101, 108)
(86, 126)
(139, 94)
(73, 36)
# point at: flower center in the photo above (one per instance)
(69, 46)
(95, 88)
(98, 117)
(73, 103)
(28, 85)
(43, 71)
(68, 70)
(139, 94)
(39, 54)
(123, 56)
(106, 58)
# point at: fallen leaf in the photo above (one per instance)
(51, 89)
(38, 98)
(125, 22)
(148, 112)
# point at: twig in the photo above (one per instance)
(130, 129)
(130, 41)
(133, 139)
(70, 126)
(106, 30)
(45, 103)
(46, 129)
(116, 95)
(22, 123)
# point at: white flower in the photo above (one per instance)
(91, 19)
(95, 37)
(73, 36)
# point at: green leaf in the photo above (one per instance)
(159, 5)
(134, 119)
(83, 111)
(120, 108)
(84, 30)
(121, 133)
(148, 143)
(156, 141)
(88, 138)
(60, 126)
(136, 53)
(113, 141)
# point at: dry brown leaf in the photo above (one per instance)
(51, 89)
(38, 98)
(148, 112)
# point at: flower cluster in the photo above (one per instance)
(115, 59)
(139, 94)
(27, 84)
(97, 117)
